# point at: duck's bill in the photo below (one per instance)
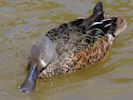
(30, 81)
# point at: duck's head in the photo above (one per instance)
(42, 53)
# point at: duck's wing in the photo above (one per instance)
(61, 35)
(90, 46)
(82, 24)
(94, 26)
(83, 50)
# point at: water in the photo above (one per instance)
(24, 21)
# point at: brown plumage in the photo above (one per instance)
(73, 46)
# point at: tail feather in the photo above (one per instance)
(98, 8)
(121, 24)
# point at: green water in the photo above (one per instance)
(24, 21)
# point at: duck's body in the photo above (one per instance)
(73, 46)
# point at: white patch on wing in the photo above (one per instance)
(107, 25)
(106, 20)
(43, 63)
(110, 38)
(96, 23)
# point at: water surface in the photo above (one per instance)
(24, 21)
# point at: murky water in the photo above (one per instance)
(24, 21)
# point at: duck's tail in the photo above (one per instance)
(121, 24)
(98, 8)
(98, 13)
(111, 25)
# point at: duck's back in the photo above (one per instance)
(75, 36)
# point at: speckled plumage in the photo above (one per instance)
(81, 44)
(72, 46)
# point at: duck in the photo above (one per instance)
(72, 46)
